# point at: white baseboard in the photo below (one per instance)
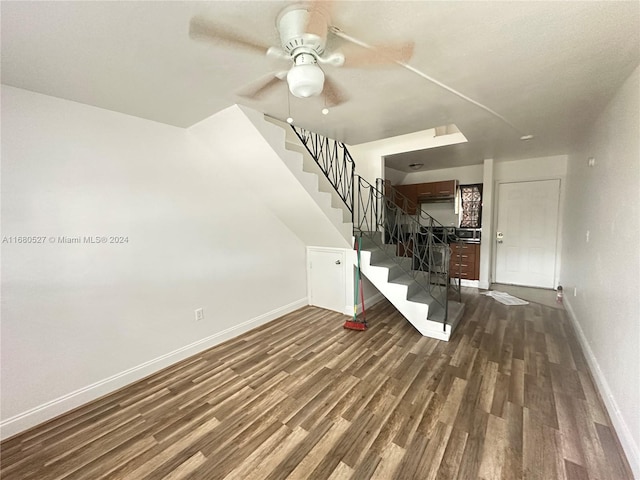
(622, 430)
(58, 406)
(368, 302)
(466, 283)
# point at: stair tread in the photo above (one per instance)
(455, 310)
(422, 297)
(387, 262)
(403, 279)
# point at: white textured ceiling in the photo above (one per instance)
(547, 67)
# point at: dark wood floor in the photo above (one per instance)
(509, 397)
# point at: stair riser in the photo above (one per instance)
(385, 252)
(395, 272)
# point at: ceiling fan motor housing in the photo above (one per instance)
(292, 23)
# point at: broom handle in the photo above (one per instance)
(355, 291)
(364, 314)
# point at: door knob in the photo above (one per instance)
(337, 262)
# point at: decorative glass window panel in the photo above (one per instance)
(471, 205)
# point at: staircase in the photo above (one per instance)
(388, 272)
(401, 256)
(405, 259)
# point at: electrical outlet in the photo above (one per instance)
(575, 291)
(588, 234)
(199, 314)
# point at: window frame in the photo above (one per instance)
(478, 186)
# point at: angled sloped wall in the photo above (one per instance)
(233, 134)
(80, 320)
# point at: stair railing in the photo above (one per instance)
(381, 215)
(387, 225)
(334, 160)
(429, 222)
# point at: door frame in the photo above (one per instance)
(494, 227)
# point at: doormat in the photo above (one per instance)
(505, 298)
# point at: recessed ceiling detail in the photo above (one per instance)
(446, 130)
(414, 159)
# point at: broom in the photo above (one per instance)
(355, 324)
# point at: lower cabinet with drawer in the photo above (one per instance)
(465, 261)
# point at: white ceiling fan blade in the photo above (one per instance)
(333, 94)
(202, 29)
(379, 55)
(282, 74)
(278, 53)
(319, 13)
(359, 54)
(335, 59)
(261, 87)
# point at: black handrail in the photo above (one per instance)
(334, 160)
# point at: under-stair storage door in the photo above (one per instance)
(326, 278)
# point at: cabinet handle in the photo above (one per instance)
(337, 262)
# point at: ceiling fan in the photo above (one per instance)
(303, 29)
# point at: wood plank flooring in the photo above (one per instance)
(510, 397)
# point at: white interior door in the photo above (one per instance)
(526, 233)
(326, 274)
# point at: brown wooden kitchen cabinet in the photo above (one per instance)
(426, 189)
(408, 191)
(446, 188)
(465, 261)
(424, 192)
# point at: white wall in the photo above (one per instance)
(465, 175)
(396, 177)
(369, 156)
(487, 246)
(542, 168)
(273, 174)
(80, 320)
(605, 201)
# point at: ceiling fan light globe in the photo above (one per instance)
(305, 80)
